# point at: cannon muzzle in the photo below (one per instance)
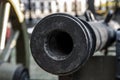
(61, 43)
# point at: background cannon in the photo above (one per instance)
(9, 71)
(61, 43)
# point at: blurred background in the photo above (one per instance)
(35, 10)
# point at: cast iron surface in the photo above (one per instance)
(61, 43)
(56, 45)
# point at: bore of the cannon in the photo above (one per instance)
(61, 44)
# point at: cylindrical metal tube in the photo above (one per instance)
(61, 43)
(105, 34)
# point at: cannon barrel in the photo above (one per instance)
(61, 43)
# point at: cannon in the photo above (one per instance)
(61, 44)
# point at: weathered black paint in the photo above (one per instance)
(85, 37)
